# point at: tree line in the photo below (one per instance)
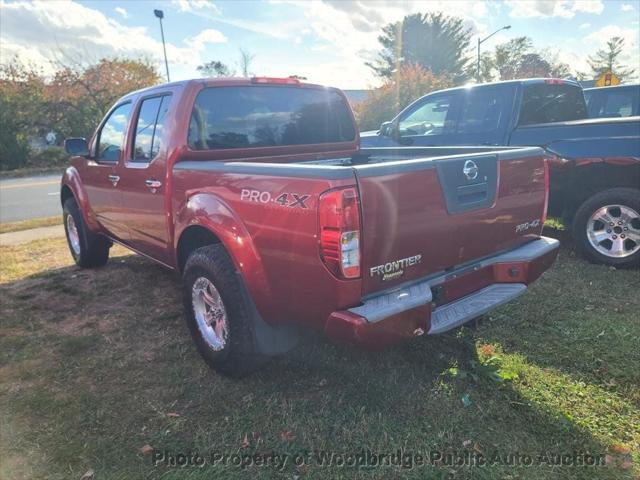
(427, 52)
(419, 54)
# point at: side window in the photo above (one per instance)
(482, 111)
(618, 105)
(150, 128)
(111, 136)
(430, 118)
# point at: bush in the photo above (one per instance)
(384, 103)
(48, 157)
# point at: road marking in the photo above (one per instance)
(33, 184)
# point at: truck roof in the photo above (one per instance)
(521, 81)
(227, 81)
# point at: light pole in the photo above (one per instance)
(506, 27)
(160, 15)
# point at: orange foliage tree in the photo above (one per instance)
(408, 83)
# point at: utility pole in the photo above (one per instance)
(506, 27)
(160, 15)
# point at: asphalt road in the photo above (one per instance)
(29, 197)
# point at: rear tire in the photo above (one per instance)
(606, 227)
(218, 313)
(88, 249)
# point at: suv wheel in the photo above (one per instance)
(88, 249)
(606, 227)
(218, 312)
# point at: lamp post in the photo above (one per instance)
(506, 27)
(160, 15)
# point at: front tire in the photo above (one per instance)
(606, 227)
(88, 249)
(218, 312)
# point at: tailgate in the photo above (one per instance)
(424, 216)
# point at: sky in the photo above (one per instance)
(327, 41)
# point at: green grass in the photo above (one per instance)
(97, 364)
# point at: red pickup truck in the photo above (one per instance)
(256, 191)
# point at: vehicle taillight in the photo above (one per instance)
(546, 190)
(554, 81)
(339, 220)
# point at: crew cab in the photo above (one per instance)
(595, 168)
(257, 193)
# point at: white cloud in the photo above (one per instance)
(44, 33)
(626, 7)
(196, 5)
(584, 25)
(121, 11)
(553, 8)
(206, 36)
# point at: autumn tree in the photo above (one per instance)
(407, 84)
(71, 102)
(518, 59)
(433, 41)
(608, 60)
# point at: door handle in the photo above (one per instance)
(153, 184)
(114, 179)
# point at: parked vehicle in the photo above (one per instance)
(257, 193)
(613, 102)
(595, 172)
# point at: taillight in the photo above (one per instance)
(554, 81)
(339, 220)
(546, 190)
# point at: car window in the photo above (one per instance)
(551, 102)
(430, 118)
(149, 128)
(612, 103)
(111, 136)
(482, 110)
(268, 116)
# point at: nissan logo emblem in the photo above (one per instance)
(470, 170)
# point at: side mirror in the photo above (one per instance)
(387, 129)
(76, 147)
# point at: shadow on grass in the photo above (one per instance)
(96, 364)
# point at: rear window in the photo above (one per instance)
(546, 103)
(612, 102)
(268, 116)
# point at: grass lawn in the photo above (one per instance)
(97, 369)
(29, 224)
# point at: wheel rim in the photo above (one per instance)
(614, 231)
(72, 233)
(210, 313)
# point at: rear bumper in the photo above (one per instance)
(445, 301)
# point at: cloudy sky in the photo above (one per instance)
(326, 41)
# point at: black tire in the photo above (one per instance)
(628, 197)
(93, 248)
(239, 355)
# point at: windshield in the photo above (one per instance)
(268, 116)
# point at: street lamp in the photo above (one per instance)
(506, 27)
(160, 15)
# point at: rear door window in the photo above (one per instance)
(551, 102)
(268, 116)
(483, 110)
(150, 128)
